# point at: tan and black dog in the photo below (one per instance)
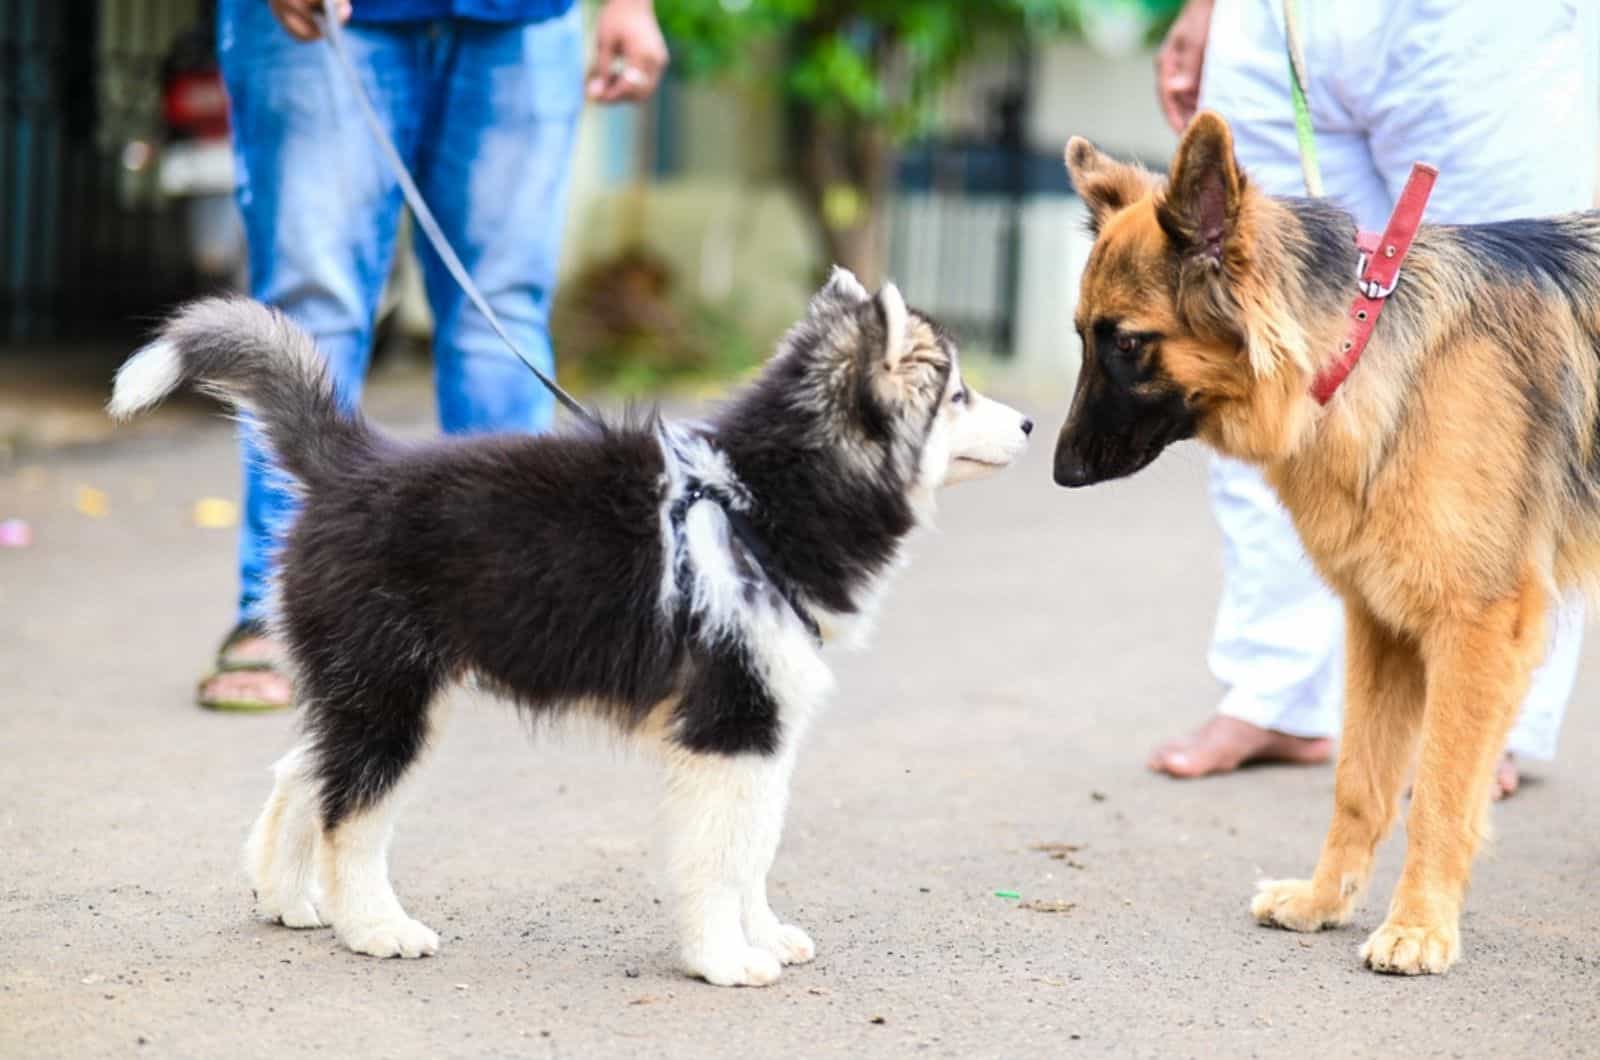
(1447, 489)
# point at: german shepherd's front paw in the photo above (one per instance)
(1412, 949)
(1296, 906)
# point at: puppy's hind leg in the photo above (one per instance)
(281, 854)
(363, 749)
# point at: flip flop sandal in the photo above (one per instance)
(249, 629)
(229, 665)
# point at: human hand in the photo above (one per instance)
(299, 17)
(1179, 62)
(629, 53)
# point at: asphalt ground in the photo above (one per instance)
(1039, 644)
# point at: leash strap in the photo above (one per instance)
(430, 227)
(1380, 271)
(1304, 133)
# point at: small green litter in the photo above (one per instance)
(1007, 894)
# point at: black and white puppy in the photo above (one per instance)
(676, 580)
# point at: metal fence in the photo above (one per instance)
(85, 240)
(955, 227)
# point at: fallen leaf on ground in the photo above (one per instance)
(215, 513)
(1061, 852)
(645, 999)
(1047, 905)
(92, 502)
(1057, 851)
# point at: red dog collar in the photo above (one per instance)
(1379, 272)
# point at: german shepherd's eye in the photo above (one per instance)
(1127, 344)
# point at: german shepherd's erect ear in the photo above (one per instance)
(1200, 210)
(1105, 185)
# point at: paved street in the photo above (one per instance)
(1039, 644)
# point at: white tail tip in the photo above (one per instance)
(147, 377)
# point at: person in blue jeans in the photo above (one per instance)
(482, 98)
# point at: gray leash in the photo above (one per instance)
(430, 227)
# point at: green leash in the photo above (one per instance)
(1297, 92)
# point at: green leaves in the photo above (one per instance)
(876, 61)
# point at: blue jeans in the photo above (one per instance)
(485, 115)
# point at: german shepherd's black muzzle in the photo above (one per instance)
(1118, 426)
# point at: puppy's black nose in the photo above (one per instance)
(1027, 426)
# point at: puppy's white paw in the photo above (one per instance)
(786, 942)
(733, 966)
(397, 937)
(301, 913)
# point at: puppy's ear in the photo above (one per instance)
(842, 291)
(1104, 184)
(1200, 211)
(892, 307)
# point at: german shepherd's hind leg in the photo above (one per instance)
(1478, 672)
(363, 749)
(1384, 697)
(281, 854)
(723, 813)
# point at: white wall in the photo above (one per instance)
(1110, 101)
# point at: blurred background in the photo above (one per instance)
(915, 139)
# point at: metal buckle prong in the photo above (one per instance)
(1371, 288)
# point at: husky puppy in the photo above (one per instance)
(677, 581)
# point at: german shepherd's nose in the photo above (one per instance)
(1071, 469)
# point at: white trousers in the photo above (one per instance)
(1503, 99)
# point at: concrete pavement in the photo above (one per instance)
(1039, 644)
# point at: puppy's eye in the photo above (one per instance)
(959, 397)
(1127, 344)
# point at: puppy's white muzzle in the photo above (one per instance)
(985, 437)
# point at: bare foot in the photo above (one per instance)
(247, 689)
(1506, 778)
(1223, 744)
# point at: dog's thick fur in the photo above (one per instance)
(603, 572)
(1447, 490)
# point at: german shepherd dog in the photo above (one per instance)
(1446, 491)
(676, 581)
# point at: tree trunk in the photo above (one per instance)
(843, 170)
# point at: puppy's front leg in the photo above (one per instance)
(1384, 694)
(719, 843)
(1478, 672)
(761, 925)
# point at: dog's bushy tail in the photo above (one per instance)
(254, 359)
